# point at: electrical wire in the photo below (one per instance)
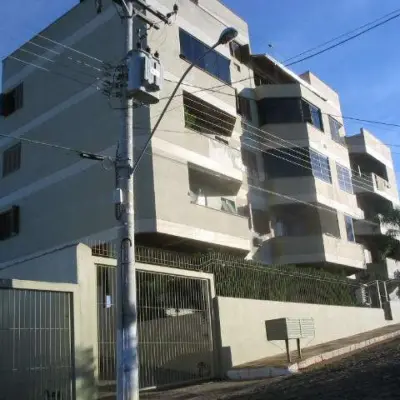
(86, 84)
(70, 48)
(344, 41)
(245, 185)
(212, 89)
(263, 132)
(340, 36)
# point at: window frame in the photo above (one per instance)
(335, 126)
(345, 183)
(351, 237)
(9, 223)
(311, 112)
(220, 66)
(7, 166)
(12, 100)
(243, 107)
(318, 170)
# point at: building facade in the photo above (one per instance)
(249, 157)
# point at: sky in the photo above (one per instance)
(364, 71)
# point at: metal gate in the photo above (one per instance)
(35, 345)
(174, 327)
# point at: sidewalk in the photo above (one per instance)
(278, 365)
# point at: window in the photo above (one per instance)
(349, 228)
(205, 118)
(320, 166)
(228, 205)
(335, 127)
(11, 101)
(12, 159)
(243, 107)
(214, 63)
(311, 114)
(236, 50)
(279, 110)
(280, 163)
(344, 177)
(9, 223)
(250, 162)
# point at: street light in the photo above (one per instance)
(226, 36)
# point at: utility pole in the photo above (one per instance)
(141, 80)
(127, 341)
(143, 85)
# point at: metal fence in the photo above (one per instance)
(236, 277)
(174, 327)
(35, 345)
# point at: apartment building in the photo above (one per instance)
(308, 200)
(258, 164)
(188, 188)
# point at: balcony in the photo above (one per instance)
(317, 249)
(216, 204)
(373, 183)
(364, 227)
(367, 144)
(312, 190)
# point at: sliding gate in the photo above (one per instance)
(174, 326)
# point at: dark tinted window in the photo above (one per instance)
(279, 110)
(286, 163)
(11, 101)
(192, 50)
(349, 228)
(9, 223)
(12, 159)
(311, 114)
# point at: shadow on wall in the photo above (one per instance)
(84, 377)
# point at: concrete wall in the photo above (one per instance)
(242, 325)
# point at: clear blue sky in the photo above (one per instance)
(364, 71)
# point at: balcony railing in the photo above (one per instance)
(371, 182)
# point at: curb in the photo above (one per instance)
(269, 372)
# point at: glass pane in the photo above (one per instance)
(186, 45)
(349, 228)
(211, 63)
(316, 117)
(198, 51)
(224, 72)
(320, 166)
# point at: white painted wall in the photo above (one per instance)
(243, 333)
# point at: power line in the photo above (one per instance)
(70, 48)
(340, 36)
(263, 132)
(344, 41)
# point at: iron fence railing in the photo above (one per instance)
(236, 277)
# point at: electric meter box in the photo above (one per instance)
(145, 77)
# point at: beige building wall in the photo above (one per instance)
(242, 325)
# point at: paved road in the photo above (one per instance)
(373, 374)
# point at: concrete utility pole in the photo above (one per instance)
(127, 348)
(127, 340)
